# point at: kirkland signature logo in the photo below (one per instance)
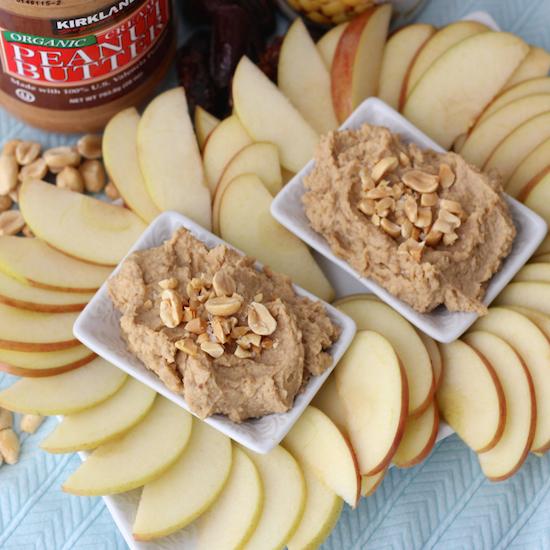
(94, 18)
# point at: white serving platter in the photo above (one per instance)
(98, 328)
(441, 324)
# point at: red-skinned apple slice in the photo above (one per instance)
(318, 444)
(371, 314)
(33, 262)
(399, 53)
(23, 330)
(304, 79)
(523, 89)
(505, 459)
(488, 135)
(537, 197)
(464, 80)
(355, 70)
(328, 43)
(36, 364)
(435, 357)
(331, 403)
(269, 116)
(540, 319)
(535, 65)
(533, 295)
(534, 349)
(543, 257)
(443, 40)
(470, 398)
(538, 272)
(225, 141)
(532, 169)
(515, 147)
(373, 388)
(369, 484)
(204, 124)
(418, 439)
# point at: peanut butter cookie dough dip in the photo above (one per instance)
(233, 340)
(426, 226)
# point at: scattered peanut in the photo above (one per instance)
(93, 174)
(242, 353)
(424, 218)
(11, 222)
(213, 349)
(367, 206)
(58, 158)
(367, 183)
(428, 199)
(31, 422)
(187, 346)
(89, 146)
(196, 325)
(446, 176)
(224, 305)
(171, 308)
(383, 166)
(170, 283)
(224, 284)
(421, 181)
(70, 178)
(36, 170)
(5, 203)
(9, 446)
(250, 339)
(9, 170)
(390, 228)
(27, 152)
(111, 191)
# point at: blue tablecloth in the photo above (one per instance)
(444, 503)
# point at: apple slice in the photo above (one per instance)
(543, 258)
(355, 70)
(97, 425)
(456, 88)
(470, 398)
(535, 65)
(170, 159)
(513, 149)
(531, 294)
(377, 316)
(246, 223)
(317, 444)
(141, 455)
(373, 388)
(284, 498)
(303, 77)
(231, 520)
(261, 159)
(369, 484)
(418, 439)
(225, 141)
(538, 272)
(331, 403)
(537, 198)
(534, 349)
(531, 170)
(442, 41)
(204, 125)
(65, 393)
(542, 250)
(321, 512)
(399, 53)
(23, 330)
(269, 116)
(506, 458)
(85, 227)
(34, 263)
(435, 356)
(540, 319)
(36, 364)
(486, 136)
(16, 294)
(328, 43)
(187, 489)
(120, 155)
(523, 89)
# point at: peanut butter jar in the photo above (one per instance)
(70, 65)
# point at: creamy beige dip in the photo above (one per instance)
(428, 227)
(231, 339)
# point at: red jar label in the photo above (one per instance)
(72, 67)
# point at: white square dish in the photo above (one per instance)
(441, 324)
(98, 328)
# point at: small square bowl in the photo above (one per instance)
(98, 328)
(441, 324)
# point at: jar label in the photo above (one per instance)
(72, 67)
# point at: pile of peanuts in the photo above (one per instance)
(78, 168)
(9, 440)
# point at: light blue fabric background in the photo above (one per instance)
(444, 503)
